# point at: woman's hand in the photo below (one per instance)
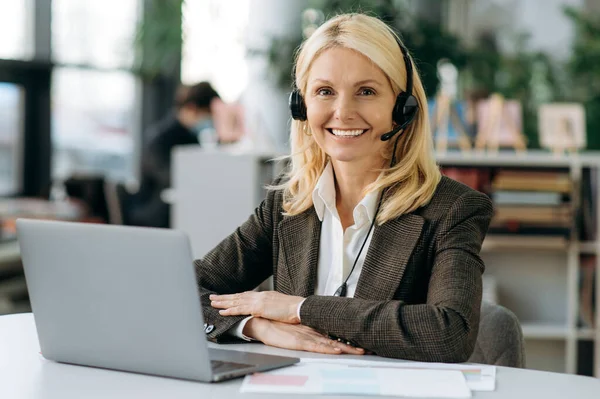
(270, 305)
(295, 337)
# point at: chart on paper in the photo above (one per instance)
(478, 377)
(334, 379)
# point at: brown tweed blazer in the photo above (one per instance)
(419, 293)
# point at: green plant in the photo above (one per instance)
(584, 64)
(158, 38)
(584, 69)
(535, 78)
(426, 41)
(280, 58)
(524, 75)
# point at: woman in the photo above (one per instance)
(370, 248)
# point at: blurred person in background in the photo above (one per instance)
(190, 123)
(371, 249)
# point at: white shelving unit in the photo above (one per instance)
(544, 331)
(538, 276)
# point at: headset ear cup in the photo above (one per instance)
(405, 109)
(397, 114)
(297, 107)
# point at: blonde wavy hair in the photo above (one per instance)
(412, 181)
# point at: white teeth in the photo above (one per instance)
(357, 132)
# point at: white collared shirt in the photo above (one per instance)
(338, 249)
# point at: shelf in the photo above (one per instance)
(586, 333)
(588, 247)
(544, 331)
(517, 242)
(530, 158)
(539, 276)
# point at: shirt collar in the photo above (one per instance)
(368, 205)
(323, 197)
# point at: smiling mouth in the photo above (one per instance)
(347, 132)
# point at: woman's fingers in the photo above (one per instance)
(321, 344)
(321, 347)
(342, 346)
(298, 337)
(349, 349)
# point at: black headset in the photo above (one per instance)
(405, 108)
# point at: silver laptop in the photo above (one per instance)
(123, 298)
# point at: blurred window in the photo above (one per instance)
(98, 33)
(213, 45)
(11, 135)
(16, 29)
(95, 101)
(94, 116)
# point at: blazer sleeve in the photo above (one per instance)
(239, 263)
(444, 329)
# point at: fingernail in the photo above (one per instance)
(337, 349)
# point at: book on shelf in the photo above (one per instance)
(561, 215)
(512, 241)
(528, 229)
(511, 197)
(476, 178)
(525, 180)
(587, 215)
(587, 291)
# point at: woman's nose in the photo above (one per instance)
(345, 109)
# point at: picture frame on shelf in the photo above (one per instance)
(448, 114)
(499, 124)
(449, 124)
(562, 127)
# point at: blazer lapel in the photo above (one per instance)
(299, 237)
(391, 247)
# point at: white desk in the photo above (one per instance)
(25, 374)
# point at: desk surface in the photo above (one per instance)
(25, 374)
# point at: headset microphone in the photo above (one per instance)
(391, 133)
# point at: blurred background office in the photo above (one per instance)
(87, 86)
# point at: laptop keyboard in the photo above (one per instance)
(219, 366)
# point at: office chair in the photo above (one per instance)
(89, 189)
(500, 340)
(113, 193)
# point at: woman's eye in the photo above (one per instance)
(367, 92)
(324, 92)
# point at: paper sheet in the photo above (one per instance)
(478, 377)
(343, 379)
